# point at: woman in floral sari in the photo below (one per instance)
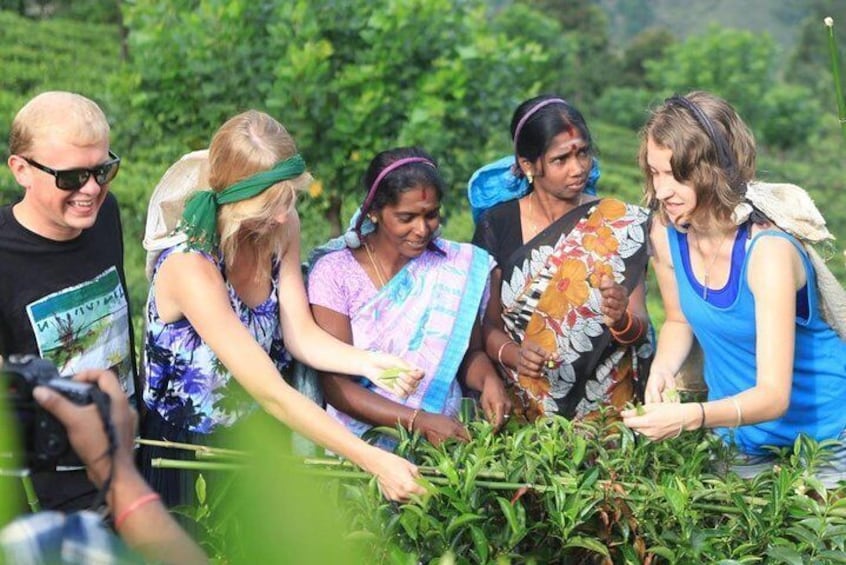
(569, 328)
(407, 291)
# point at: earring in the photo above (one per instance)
(373, 218)
(530, 177)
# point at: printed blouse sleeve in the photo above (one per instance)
(325, 284)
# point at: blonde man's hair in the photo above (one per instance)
(695, 161)
(79, 120)
(247, 144)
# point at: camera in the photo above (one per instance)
(43, 437)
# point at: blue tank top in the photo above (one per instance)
(728, 335)
(723, 297)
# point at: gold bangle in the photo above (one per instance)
(501, 349)
(411, 420)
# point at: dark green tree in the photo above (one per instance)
(648, 45)
(592, 59)
(349, 79)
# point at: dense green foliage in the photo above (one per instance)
(553, 491)
(578, 492)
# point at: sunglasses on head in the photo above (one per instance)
(74, 179)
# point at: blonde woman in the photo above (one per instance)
(227, 310)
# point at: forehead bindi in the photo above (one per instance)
(418, 198)
(565, 149)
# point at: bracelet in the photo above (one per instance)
(616, 333)
(681, 427)
(636, 335)
(139, 502)
(737, 409)
(411, 420)
(501, 349)
(702, 420)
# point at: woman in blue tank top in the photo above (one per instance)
(743, 287)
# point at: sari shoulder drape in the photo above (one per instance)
(425, 315)
(550, 295)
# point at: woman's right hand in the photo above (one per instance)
(437, 428)
(397, 477)
(392, 374)
(659, 384)
(533, 359)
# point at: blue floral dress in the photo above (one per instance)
(187, 385)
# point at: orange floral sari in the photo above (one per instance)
(550, 295)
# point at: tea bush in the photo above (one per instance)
(594, 492)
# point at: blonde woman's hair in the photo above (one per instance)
(79, 120)
(695, 160)
(247, 144)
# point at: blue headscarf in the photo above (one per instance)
(496, 182)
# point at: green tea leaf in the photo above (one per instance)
(782, 554)
(200, 489)
(589, 544)
(392, 374)
(480, 543)
(459, 521)
(831, 556)
(509, 513)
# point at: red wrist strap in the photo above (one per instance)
(139, 502)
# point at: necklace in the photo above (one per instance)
(376, 267)
(707, 277)
(530, 214)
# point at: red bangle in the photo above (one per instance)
(638, 333)
(139, 502)
(616, 333)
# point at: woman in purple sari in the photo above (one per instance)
(570, 329)
(392, 284)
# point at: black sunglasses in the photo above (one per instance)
(74, 179)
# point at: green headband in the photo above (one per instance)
(199, 220)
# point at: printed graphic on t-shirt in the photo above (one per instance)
(85, 327)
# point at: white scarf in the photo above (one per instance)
(790, 207)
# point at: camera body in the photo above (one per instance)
(44, 438)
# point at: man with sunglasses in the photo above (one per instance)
(62, 286)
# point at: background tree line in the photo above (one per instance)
(350, 78)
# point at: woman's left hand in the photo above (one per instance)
(658, 421)
(495, 401)
(615, 300)
(391, 373)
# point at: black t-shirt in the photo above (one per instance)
(33, 268)
(67, 301)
